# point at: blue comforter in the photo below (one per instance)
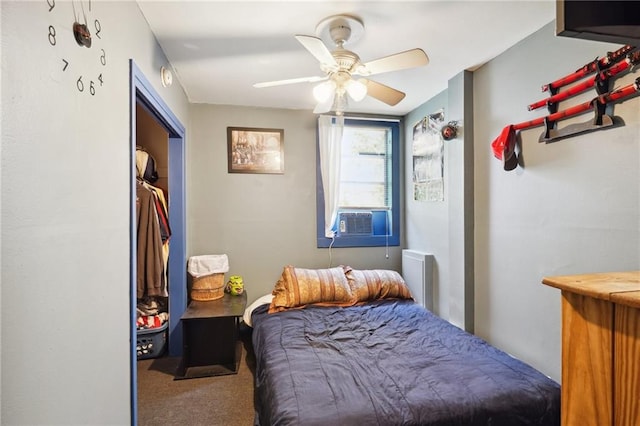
(389, 363)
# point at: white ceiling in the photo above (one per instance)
(219, 49)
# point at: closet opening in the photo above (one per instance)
(157, 165)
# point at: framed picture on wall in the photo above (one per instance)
(252, 150)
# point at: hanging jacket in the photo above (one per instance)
(151, 279)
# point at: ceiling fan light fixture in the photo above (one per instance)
(324, 90)
(357, 90)
(340, 104)
(341, 65)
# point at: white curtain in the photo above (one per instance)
(330, 139)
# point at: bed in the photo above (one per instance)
(385, 360)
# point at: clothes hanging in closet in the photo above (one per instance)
(151, 277)
(161, 210)
(153, 233)
(146, 171)
(163, 221)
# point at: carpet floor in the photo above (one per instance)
(221, 400)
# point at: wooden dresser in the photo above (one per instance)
(600, 348)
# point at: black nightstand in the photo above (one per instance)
(210, 336)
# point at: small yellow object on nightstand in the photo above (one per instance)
(235, 286)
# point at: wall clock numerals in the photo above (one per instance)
(96, 24)
(52, 35)
(77, 36)
(92, 85)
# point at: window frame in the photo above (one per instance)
(392, 239)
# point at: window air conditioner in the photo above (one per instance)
(355, 223)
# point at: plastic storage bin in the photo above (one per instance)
(151, 342)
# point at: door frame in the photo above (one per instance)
(142, 93)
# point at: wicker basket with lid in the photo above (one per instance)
(208, 276)
(208, 287)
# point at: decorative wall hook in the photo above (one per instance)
(449, 131)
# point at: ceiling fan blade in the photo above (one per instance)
(324, 107)
(399, 61)
(386, 94)
(318, 49)
(290, 81)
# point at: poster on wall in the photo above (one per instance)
(428, 158)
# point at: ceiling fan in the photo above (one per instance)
(341, 66)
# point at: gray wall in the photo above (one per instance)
(65, 309)
(573, 208)
(427, 223)
(262, 222)
(445, 228)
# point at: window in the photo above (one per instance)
(365, 174)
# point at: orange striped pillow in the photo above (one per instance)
(376, 284)
(299, 287)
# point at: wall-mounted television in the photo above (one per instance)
(609, 21)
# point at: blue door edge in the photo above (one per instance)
(142, 92)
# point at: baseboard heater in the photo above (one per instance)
(417, 271)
